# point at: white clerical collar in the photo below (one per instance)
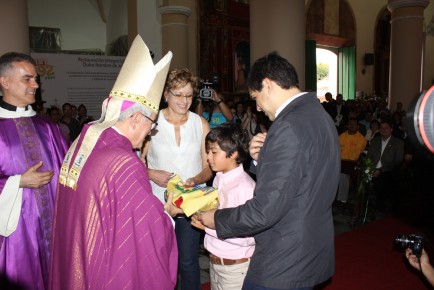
(13, 108)
(17, 114)
(283, 106)
(20, 110)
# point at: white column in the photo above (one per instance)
(174, 26)
(117, 21)
(406, 50)
(279, 25)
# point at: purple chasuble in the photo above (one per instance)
(24, 255)
(112, 232)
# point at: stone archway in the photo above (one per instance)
(331, 23)
(382, 53)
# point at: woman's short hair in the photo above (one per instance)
(180, 77)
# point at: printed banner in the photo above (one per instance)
(77, 79)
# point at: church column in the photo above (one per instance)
(14, 28)
(119, 20)
(132, 21)
(279, 26)
(406, 53)
(174, 26)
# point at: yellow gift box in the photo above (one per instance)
(191, 198)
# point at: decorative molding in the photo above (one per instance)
(421, 18)
(174, 24)
(175, 10)
(394, 4)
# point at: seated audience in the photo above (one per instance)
(387, 154)
(352, 145)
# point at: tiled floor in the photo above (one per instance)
(204, 265)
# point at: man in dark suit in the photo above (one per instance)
(341, 118)
(330, 105)
(298, 165)
(387, 153)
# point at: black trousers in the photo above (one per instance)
(386, 193)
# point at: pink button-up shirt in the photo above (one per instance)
(235, 188)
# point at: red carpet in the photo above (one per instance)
(367, 260)
(206, 286)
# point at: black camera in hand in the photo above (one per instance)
(413, 241)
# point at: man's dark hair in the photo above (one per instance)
(387, 121)
(230, 137)
(82, 106)
(353, 119)
(66, 105)
(51, 109)
(275, 68)
(374, 121)
(7, 59)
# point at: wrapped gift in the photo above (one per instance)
(191, 198)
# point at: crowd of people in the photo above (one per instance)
(70, 118)
(367, 127)
(84, 203)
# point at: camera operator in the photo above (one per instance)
(425, 267)
(214, 110)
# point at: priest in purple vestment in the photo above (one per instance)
(32, 150)
(110, 231)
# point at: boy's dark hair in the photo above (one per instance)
(7, 59)
(275, 68)
(230, 137)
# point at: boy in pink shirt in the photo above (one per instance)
(227, 148)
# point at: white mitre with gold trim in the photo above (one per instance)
(139, 81)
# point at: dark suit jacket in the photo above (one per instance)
(330, 108)
(392, 156)
(290, 215)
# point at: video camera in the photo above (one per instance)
(205, 92)
(207, 86)
(413, 241)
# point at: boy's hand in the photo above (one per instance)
(196, 223)
(207, 218)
